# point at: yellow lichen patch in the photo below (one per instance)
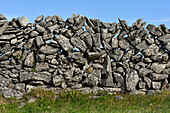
(90, 69)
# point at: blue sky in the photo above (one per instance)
(152, 11)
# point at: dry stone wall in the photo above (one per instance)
(82, 54)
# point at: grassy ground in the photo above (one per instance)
(75, 102)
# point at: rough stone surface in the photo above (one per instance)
(132, 79)
(82, 54)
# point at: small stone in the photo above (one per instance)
(49, 49)
(117, 54)
(151, 92)
(7, 37)
(39, 40)
(3, 28)
(29, 61)
(52, 28)
(23, 21)
(57, 80)
(41, 66)
(95, 55)
(40, 18)
(143, 45)
(14, 41)
(114, 43)
(80, 44)
(64, 42)
(40, 29)
(155, 76)
(124, 44)
(158, 68)
(34, 34)
(156, 85)
(118, 97)
(48, 18)
(132, 79)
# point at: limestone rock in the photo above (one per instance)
(49, 49)
(132, 79)
(30, 60)
(64, 42)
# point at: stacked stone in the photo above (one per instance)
(82, 54)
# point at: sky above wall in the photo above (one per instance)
(152, 11)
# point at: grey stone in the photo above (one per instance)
(151, 50)
(3, 28)
(119, 79)
(69, 33)
(77, 57)
(40, 29)
(147, 60)
(35, 76)
(137, 92)
(85, 90)
(48, 49)
(23, 21)
(34, 34)
(20, 87)
(93, 78)
(106, 78)
(64, 42)
(153, 30)
(151, 92)
(48, 18)
(58, 80)
(167, 71)
(96, 40)
(77, 86)
(30, 60)
(6, 48)
(168, 46)
(97, 66)
(132, 79)
(117, 54)
(7, 37)
(52, 28)
(118, 97)
(5, 56)
(114, 43)
(90, 30)
(144, 71)
(143, 45)
(148, 82)
(29, 43)
(14, 75)
(14, 41)
(112, 89)
(40, 18)
(88, 40)
(137, 58)
(122, 34)
(165, 38)
(106, 46)
(36, 83)
(80, 44)
(158, 68)
(156, 85)
(155, 76)
(41, 66)
(96, 55)
(142, 84)
(124, 44)
(39, 41)
(127, 55)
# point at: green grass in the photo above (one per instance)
(75, 102)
